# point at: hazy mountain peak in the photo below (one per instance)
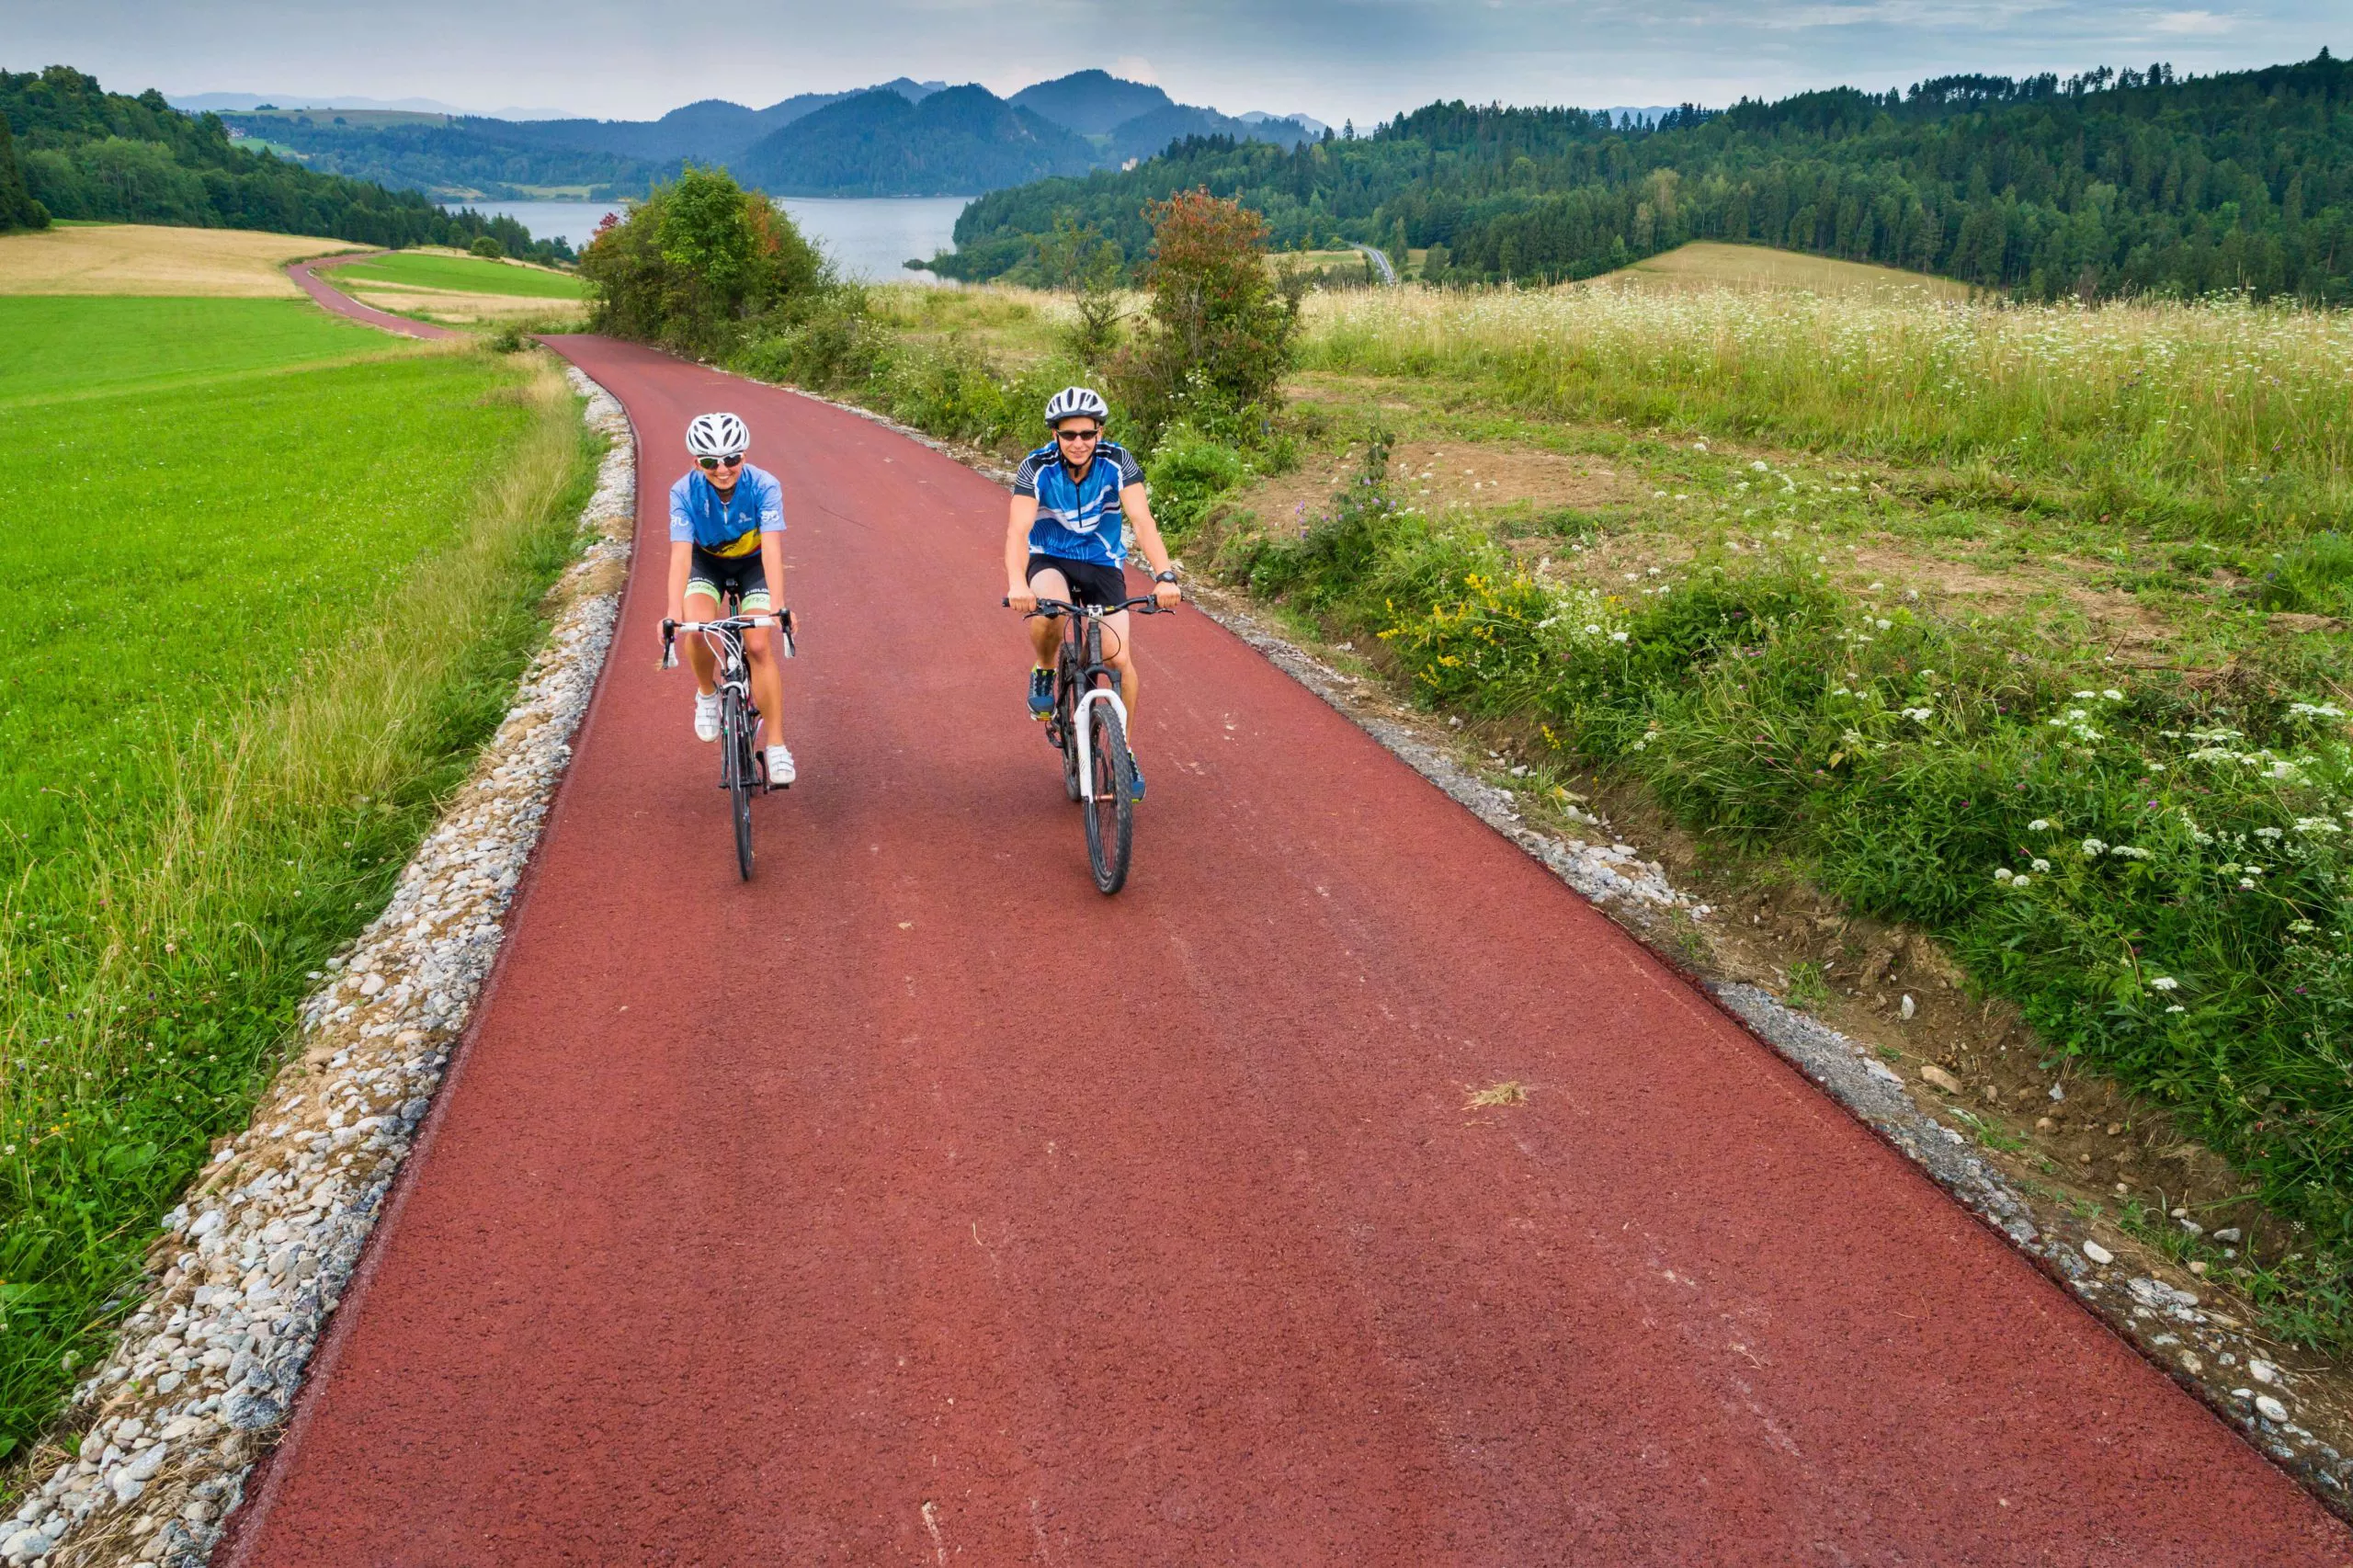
(1092, 103)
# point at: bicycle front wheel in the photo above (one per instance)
(736, 729)
(1111, 816)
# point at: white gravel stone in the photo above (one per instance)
(2098, 1254)
(2269, 1408)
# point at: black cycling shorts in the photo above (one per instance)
(1091, 582)
(720, 575)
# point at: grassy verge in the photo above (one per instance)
(2211, 419)
(259, 651)
(2014, 627)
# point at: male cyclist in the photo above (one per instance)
(727, 536)
(1064, 540)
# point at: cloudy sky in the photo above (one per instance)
(1364, 59)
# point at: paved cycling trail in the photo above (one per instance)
(916, 1204)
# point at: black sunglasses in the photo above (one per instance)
(1076, 434)
(735, 462)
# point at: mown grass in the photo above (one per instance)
(461, 274)
(72, 347)
(264, 648)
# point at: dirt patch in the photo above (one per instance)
(1708, 264)
(143, 258)
(1438, 475)
(2135, 630)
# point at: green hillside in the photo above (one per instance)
(2106, 184)
(878, 143)
(89, 153)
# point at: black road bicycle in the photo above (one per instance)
(1089, 727)
(742, 761)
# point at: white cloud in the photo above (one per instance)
(1135, 68)
(2194, 24)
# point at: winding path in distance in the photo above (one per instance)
(916, 1204)
(306, 277)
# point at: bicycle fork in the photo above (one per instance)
(1085, 738)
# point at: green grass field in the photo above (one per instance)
(464, 275)
(66, 347)
(262, 620)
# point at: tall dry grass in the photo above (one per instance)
(2214, 417)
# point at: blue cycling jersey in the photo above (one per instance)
(730, 523)
(1079, 519)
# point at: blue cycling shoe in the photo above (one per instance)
(1135, 778)
(1041, 694)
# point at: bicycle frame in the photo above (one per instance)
(1083, 617)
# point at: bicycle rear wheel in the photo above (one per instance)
(737, 729)
(1111, 816)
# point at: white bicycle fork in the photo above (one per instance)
(1078, 716)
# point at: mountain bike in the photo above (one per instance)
(1089, 727)
(743, 762)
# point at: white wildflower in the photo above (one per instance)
(2093, 846)
(2039, 825)
(2267, 833)
(1919, 715)
(1882, 625)
(2316, 824)
(2176, 1007)
(2002, 873)
(2041, 864)
(1617, 636)
(2165, 982)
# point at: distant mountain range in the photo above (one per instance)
(227, 103)
(900, 138)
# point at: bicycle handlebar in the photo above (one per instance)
(670, 629)
(1052, 609)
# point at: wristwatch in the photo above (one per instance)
(1167, 576)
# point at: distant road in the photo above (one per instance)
(342, 304)
(1380, 260)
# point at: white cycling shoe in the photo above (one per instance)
(706, 716)
(780, 769)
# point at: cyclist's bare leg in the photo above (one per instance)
(768, 679)
(700, 658)
(1122, 658)
(1046, 632)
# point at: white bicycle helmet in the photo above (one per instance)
(718, 436)
(1070, 402)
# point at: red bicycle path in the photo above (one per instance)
(913, 1203)
(306, 277)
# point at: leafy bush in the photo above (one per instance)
(1188, 473)
(488, 249)
(697, 261)
(1222, 328)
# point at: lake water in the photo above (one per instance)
(867, 238)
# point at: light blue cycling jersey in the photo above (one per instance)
(1079, 519)
(729, 525)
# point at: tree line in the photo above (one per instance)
(2109, 183)
(81, 152)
